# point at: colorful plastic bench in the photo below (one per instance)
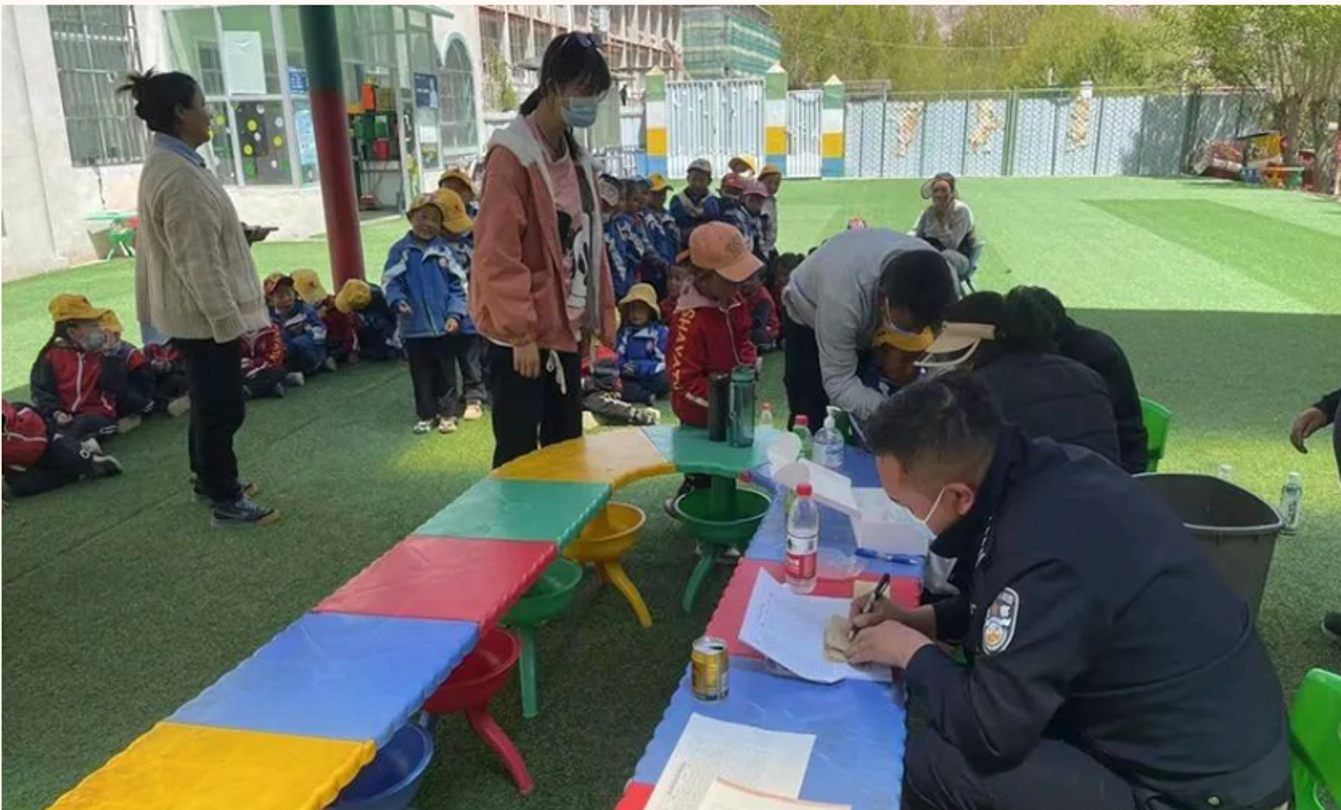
(1315, 739)
(1156, 418)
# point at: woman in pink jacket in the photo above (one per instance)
(540, 287)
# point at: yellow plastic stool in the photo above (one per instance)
(604, 541)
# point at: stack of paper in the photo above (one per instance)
(772, 762)
(724, 795)
(789, 470)
(789, 629)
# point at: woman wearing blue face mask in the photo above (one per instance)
(541, 289)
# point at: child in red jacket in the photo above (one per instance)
(711, 331)
(264, 363)
(69, 380)
(37, 460)
(764, 324)
(342, 334)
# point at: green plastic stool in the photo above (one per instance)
(1315, 739)
(720, 517)
(548, 597)
(1156, 418)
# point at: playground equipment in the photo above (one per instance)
(546, 600)
(720, 518)
(392, 779)
(1315, 739)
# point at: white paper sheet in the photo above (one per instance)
(724, 795)
(769, 761)
(789, 629)
(246, 62)
(788, 470)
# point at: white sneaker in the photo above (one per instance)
(91, 446)
(423, 426)
(473, 412)
(179, 406)
(295, 379)
(446, 425)
(128, 423)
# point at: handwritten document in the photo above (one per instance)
(724, 795)
(773, 762)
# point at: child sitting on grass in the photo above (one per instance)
(171, 392)
(374, 319)
(37, 459)
(264, 364)
(695, 205)
(601, 394)
(641, 347)
(416, 282)
(68, 379)
(304, 333)
(662, 231)
(712, 324)
(127, 375)
(342, 337)
(466, 345)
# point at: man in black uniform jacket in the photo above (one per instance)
(1110, 666)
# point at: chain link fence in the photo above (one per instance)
(1040, 133)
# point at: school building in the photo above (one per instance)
(418, 79)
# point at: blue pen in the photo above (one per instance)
(900, 559)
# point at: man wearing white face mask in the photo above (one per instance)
(1109, 664)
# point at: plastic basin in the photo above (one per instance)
(479, 677)
(549, 596)
(392, 779)
(1237, 529)
(694, 507)
(609, 535)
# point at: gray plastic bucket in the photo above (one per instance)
(1237, 528)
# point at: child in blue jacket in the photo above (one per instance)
(652, 267)
(618, 239)
(456, 229)
(695, 205)
(641, 347)
(662, 231)
(430, 310)
(303, 330)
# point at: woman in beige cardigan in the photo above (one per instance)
(195, 282)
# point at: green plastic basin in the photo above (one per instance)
(548, 597)
(693, 509)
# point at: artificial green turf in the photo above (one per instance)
(121, 604)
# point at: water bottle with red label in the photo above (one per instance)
(802, 541)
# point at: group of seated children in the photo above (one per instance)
(427, 283)
(87, 385)
(745, 201)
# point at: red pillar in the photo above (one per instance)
(331, 125)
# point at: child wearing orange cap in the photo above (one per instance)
(711, 331)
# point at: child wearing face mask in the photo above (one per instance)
(128, 376)
(68, 380)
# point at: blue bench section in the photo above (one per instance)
(335, 676)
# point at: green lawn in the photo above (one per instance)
(121, 604)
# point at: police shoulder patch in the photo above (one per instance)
(998, 627)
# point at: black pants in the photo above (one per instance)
(86, 426)
(468, 354)
(529, 414)
(802, 376)
(169, 385)
(218, 408)
(646, 390)
(264, 382)
(433, 375)
(64, 462)
(1055, 776)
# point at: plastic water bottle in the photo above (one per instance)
(1292, 503)
(765, 417)
(802, 541)
(802, 429)
(829, 442)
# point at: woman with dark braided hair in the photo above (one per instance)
(196, 283)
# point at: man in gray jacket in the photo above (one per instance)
(855, 283)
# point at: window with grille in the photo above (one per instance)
(456, 92)
(96, 47)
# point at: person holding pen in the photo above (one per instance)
(1103, 672)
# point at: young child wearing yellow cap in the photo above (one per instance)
(641, 347)
(457, 230)
(374, 319)
(430, 309)
(342, 338)
(67, 379)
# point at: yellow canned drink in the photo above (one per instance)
(710, 668)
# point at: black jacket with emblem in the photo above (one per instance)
(1093, 617)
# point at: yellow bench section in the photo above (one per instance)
(182, 767)
(617, 458)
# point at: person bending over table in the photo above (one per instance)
(947, 224)
(836, 300)
(1110, 666)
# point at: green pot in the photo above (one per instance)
(694, 508)
(548, 597)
